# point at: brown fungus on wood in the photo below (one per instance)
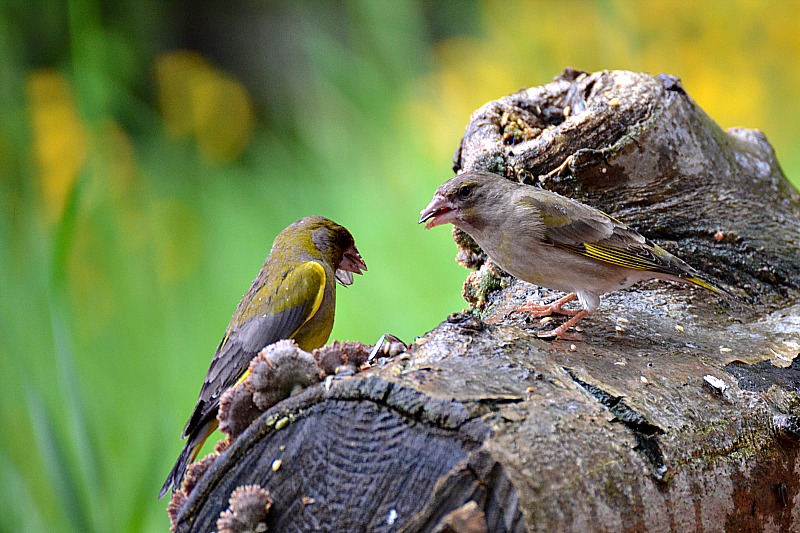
(236, 410)
(196, 471)
(247, 511)
(341, 356)
(278, 371)
(174, 507)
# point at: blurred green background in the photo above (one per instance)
(150, 152)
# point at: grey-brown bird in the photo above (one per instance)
(293, 297)
(553, 241)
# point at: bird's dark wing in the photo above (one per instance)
(271, 314)
(589, 232)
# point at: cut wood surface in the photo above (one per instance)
(675, 412)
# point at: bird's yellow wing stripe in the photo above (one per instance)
(307, 279)
(619, 257)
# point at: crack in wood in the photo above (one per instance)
(645, 433)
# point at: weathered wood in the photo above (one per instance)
(675, 412)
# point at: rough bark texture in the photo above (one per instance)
(675, 412)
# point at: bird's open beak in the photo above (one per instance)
(351, 263)
(438, 212)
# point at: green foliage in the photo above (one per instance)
(140, 189)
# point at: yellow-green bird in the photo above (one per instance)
(553, 241)
(293, 297)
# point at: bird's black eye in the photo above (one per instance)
(464, 191)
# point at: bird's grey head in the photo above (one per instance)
(469, 201)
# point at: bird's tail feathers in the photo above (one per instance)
(188, 454)
(716, 287)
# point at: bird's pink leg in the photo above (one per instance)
(561, 331)
(557, 307)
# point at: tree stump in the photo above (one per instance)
(675, 412)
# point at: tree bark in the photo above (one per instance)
(675, 412)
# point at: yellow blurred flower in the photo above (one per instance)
(200, 100)
(59, 138)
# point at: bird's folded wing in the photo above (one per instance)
(586, 231)
(291, 305)
(273, 314)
